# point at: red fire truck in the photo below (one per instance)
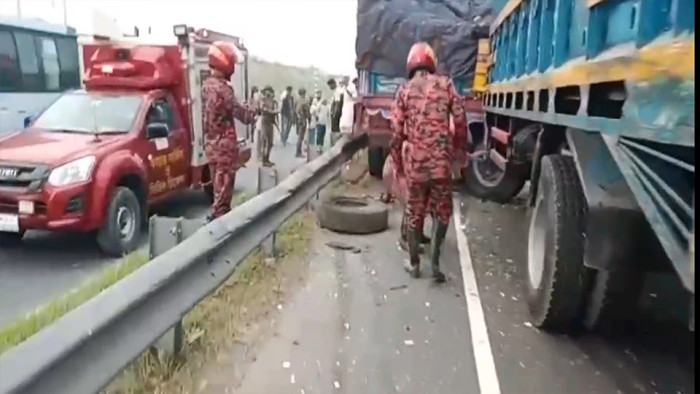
(97, 158)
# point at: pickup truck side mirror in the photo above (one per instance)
(28, 120)
(157, 130)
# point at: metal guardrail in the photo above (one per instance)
(86, 348)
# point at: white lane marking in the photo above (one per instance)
(485, 366)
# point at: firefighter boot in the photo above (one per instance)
(413, 264)
(403, 239)
(439, 232)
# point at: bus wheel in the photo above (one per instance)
(556, 274)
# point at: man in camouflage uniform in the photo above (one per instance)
(269, 111)
(421, 119)
(303, 115)
(220, 108)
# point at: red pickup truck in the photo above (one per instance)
(97, 159)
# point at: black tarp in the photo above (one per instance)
(386, 29)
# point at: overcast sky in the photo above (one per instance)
(296, 32)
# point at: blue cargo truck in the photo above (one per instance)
(592, 102)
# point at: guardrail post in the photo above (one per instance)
(313, 153)
(267, 179)
(162, 238)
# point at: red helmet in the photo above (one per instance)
(223, 57)
(421, 56)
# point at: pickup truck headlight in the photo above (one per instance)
(74, 172)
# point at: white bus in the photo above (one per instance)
(38, 61)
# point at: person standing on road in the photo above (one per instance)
(268, 121)
(303, 115)
(347, 115)
(287, 114)
(323, 114)
(336, 110)
(254, 103)
(220, 109)
(421, 118)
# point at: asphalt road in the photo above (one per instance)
(657, 356)
(361, 325)
(50, 264)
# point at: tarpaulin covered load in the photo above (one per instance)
(386, 30)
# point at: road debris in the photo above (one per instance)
(408, 342)
(399, 287)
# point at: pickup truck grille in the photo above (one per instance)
(22, 177)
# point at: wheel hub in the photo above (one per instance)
(537, 244)
(486, 170)
(125, 222)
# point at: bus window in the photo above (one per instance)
(68, 60)
(28, 62)
(49, 62)
(9, 76)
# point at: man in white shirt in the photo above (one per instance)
(347, 116)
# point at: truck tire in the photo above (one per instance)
(613, 299)
(375, 161)
(122, 231)
(485, 181)
(556, 274)
(10, 240)
(352, 215)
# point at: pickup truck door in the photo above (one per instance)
(168, 156)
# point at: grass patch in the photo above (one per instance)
(219, 322)
(23, 328)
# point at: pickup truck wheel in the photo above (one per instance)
(613, 299)
(375, 161)
(556, 274)
(483, 179)
(122, 230)
(10, 239)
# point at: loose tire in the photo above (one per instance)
(375, 161)
(556, 274)
(484, 180)
(121, 231)
(353, 215)
(10, 240)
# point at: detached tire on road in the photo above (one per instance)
(353, 215)
(122, 229)
(556, 280)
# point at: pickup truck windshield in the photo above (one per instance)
(83, 112)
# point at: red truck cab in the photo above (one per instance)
(373, 114)
(96, 159)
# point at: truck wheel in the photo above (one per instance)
(613, 299)
(483, 179)
(375, 161)
(556, 274)
(121, 231)
(8, 240)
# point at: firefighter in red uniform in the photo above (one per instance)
(421, 119)
(220, 108)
